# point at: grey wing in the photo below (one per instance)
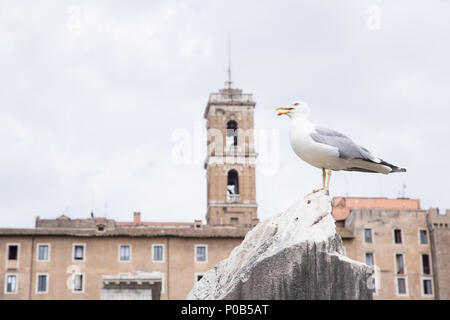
(346, 147)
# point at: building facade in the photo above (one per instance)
(231, 158)
(99, 258)
(439, 226)
(407, 246)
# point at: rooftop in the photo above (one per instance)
(343, 205)
(103, 227)
(205, 232)
(229, 97)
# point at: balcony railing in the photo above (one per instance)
(232, 149)
(232, 198)
(12, 264)
(243, 97)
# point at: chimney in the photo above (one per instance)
(137, 217)
(197, 224)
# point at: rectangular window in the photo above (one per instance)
(401, 285)
(426, 269)
(423, 236)
(163, 284)
(200, 254)
(42, 283)
(400, 263)
(158, 251)
(13, 252)
(198, 276)
(234, 220)
(427, 287)
(368, 235)
(43, 250)
(398, 236)
(78, 252)
(369, 259)
(78, 282)
(125, 253)
(11, 283)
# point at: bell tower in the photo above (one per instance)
(231, 158)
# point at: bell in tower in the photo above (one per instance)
(231, 158)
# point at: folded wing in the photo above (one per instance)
(363, 159)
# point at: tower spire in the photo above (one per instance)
(230, 166)
(228, 83)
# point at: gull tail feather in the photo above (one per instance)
(367, 165)
(393, 168)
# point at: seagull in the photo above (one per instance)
(327, 149)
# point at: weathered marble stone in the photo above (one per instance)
(296, 254)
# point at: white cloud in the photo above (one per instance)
(87, 114)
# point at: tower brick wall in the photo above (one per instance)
(230, 151)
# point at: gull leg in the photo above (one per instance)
(323, 178)
(328, 180)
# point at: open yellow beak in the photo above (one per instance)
(285, 110)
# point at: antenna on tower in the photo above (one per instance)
(380, 182)
(229, 82)
(346, 184)
(404, 191)
(92, 201)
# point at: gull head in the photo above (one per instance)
(295, 109)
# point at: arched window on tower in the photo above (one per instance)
(233, 186)
(232, 139)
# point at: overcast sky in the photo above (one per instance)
(91, 93)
